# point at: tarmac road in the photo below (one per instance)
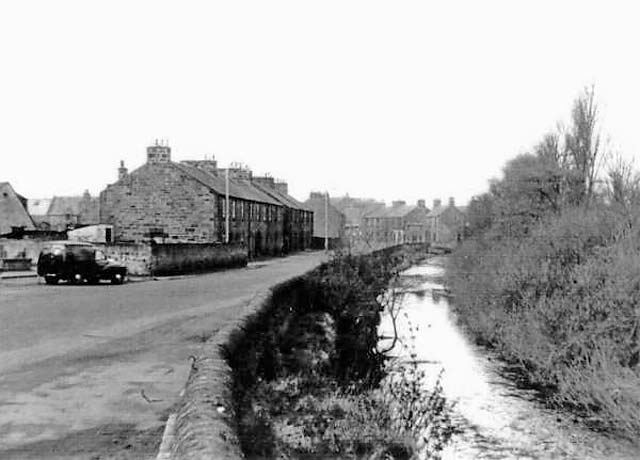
(91, 372)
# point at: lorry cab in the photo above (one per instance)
(77, 262)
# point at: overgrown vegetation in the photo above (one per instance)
(309, 381)
(550, 272)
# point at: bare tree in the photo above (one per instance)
(622, 181)
(623, 190)
(391, 302)
(583, 144)
(549, 148)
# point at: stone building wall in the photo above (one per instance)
(158, 198)
(260, 227)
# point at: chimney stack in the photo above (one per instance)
(158, 153)
(437, 203)
(237, 171)
(398, 203)
(421, 204)
(316, 196)
(452, 201)
(209, 165)
(266, 181)
(282, 187)
(122, 171)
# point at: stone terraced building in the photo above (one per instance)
(166, 201)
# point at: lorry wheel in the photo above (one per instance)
(117, 279)
(51, 279)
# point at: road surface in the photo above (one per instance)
(92, 372)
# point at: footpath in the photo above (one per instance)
(18, 274)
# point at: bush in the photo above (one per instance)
(562, 302)
(307, 374)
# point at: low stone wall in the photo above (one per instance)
(137, 257)
(13, 249)
(170, 259)
(143, 259)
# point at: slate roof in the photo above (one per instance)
(284, 199)
(400, 211)
(391, 212)
(13, 212)
(61, 205)
(237, 189)
(435, 212)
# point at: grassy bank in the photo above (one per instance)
(549, 274)
(308, 378)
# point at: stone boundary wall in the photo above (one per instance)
(143, 259)
(11, 248)
(178, 258)
(136, 257)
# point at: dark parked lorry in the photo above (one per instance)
(77, 262)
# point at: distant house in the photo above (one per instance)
(355, 210)
(64, 212)
(400, 223)
(328, 222)
(13, 210)
(446, 223)
(186, 202)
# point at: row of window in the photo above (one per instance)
(247, 210)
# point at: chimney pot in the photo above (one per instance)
(122, 171)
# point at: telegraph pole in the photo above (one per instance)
(226, 192)
(326, 221)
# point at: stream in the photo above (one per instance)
(495, 418)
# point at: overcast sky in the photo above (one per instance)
(389, 100)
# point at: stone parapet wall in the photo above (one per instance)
(204, 421)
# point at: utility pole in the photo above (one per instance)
(226, 192)
(326, 221)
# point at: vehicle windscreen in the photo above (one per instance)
(56, 250)
(82, 253)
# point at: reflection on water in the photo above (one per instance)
(497, 419)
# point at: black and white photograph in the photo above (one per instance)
(304, 230)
